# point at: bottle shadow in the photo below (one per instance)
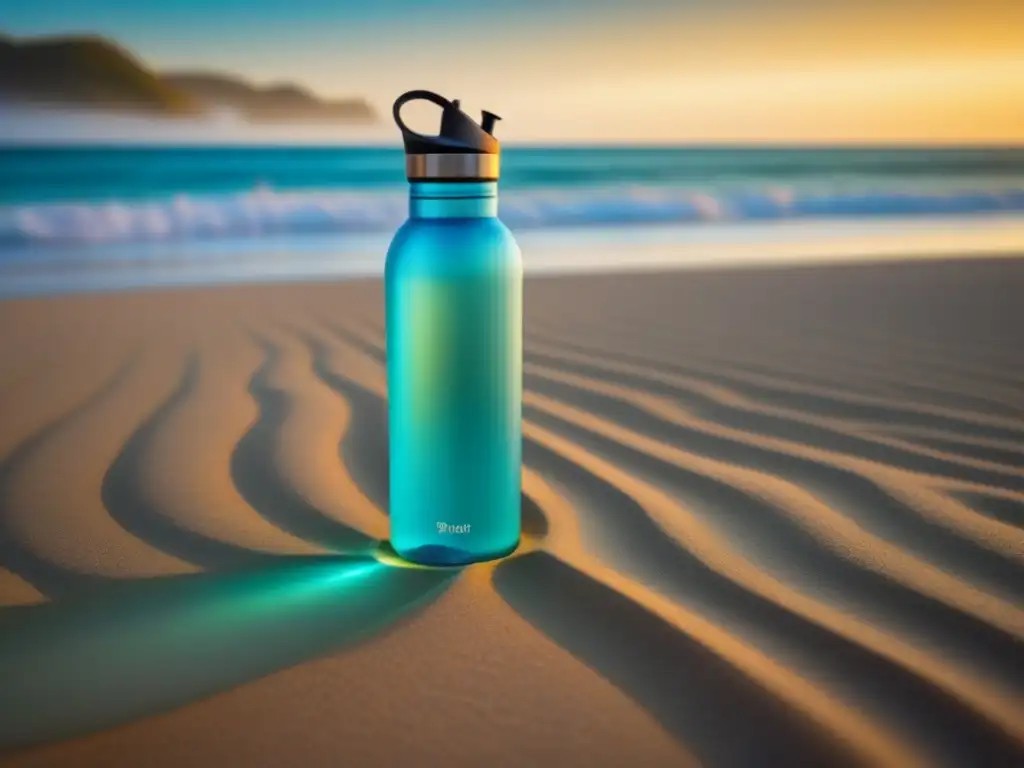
(125, 650)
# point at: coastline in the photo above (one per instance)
(42, 270)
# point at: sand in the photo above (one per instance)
(772, 517)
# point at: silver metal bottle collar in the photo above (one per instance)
(469, 166)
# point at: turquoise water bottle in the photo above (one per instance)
(454, 297)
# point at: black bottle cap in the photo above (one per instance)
(459, 133)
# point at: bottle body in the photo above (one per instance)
(454, 293)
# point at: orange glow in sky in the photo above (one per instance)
(778, 71)
(912, 74)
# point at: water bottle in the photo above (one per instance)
(454, 327)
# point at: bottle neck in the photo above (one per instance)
(453, 200)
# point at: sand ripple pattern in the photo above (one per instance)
(778, 517)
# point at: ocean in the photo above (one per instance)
(86, 205)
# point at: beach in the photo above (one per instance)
(772, 516)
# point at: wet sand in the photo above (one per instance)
(772, 517)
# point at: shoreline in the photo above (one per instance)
(60, 270)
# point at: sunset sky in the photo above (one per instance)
(596, 70)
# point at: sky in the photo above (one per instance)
(768, 71)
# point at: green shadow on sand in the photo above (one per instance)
(128, 650)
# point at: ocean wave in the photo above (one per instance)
(265, 211)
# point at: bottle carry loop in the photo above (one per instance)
(408, 96)
(462, 150)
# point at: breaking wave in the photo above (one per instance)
(263, 211)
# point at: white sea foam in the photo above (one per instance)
(40, 269)
(264, 211)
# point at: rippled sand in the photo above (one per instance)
(772, 518)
